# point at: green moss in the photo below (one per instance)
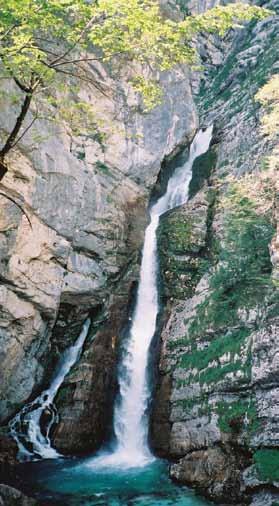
(182, 4)
(183, 256)
(216, 374)
(239, 415)
(243, 277)
(183, 341)
(105, 169)
(200, 404)
(175, 233)
(230, 343)
(98, 136)
(206, 362)
(183, 274)
(80, 155)
(187, 404)
(109, 199)
(267, 463)
(64, 395)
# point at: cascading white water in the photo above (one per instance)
(26, 428)
(130, 415)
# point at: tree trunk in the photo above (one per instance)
(3, 170)
(14, 133)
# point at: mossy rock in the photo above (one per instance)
(238, 416)
(64, 395)
(182, 238)
(267, 464)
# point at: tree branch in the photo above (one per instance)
(70, 49)
(81, 78)
(8, 31)
(22, 86)
(18, 124)
(84, 60)
(18, 205)
(25, 131)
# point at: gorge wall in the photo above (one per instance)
(216, 408)
(86, 198)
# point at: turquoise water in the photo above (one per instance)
(79, 483)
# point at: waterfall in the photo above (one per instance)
(32, 425)
(130, 414)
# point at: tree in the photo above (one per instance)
(268, 96)
(44, 42)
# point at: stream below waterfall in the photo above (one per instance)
(73, 482)
(126, 473)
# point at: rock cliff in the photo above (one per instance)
(216, 410)
(86, 198)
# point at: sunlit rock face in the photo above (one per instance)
(86, 198)
(216, 409)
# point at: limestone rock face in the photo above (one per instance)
(87, 200)
(182, 238)
(212, 470)
(218, 371)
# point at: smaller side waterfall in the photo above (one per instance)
(32, 425)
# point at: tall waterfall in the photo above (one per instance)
(130, 414)
(31, 427)
(27, 428)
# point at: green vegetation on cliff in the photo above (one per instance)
(201, 358)
(183, 257)
(268, 96)
(267, 463)
(238, 415)
(241, 296)
(243, 273)
(201, 171)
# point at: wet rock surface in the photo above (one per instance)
(10, 496)
(213, 470)
(8, 455)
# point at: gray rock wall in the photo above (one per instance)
(86, 198)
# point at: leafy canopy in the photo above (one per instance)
(32, 33)
(268, 96)
(44, 43)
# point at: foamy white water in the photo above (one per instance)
(26, 427)
(131, 409)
